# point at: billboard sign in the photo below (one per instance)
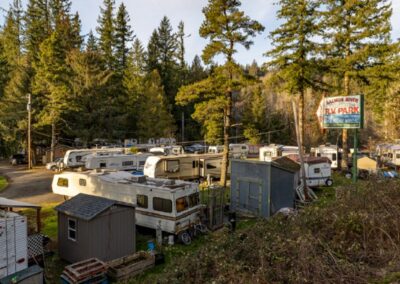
(341, 112)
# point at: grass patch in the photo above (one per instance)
(48, 220)
(3, 183)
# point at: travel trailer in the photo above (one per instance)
(391, 156)
(329, 151)
(171, 204)
(267, 153)
(236, 151)
(318, 170)
(184, 167)
(75, 158)
(167, 150)
(120, 162)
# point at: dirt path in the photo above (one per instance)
(32, 186)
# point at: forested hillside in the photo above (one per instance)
(107, 84)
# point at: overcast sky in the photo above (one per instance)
(146, 15)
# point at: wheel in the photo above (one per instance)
(185, 238)
(53, 168)
(200, 229)
(348, 175)
(329, 182)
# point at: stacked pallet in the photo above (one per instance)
(91, 271)
(124, 268)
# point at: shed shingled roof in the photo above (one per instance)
(87, 207)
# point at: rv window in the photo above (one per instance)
(317, 170)
(78, 158)
(334, 157)
(397, 156)
(244, 148)
(161, 204)
(82, 182)
(141, 163)
(195, 164)
(181, 204)
(62, 182)
(71, 229)
(103, 165)
(172, 166)
(210, 166)
(127, 163)
(194, 199)
(142, 201)
(318, 154)
(390, 155)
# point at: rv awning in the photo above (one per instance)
(9, 203)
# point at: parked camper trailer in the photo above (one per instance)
(329, 151)
(236, 151)
(120, 162)
(167, 150)
(75, 158)
(318, 170)
(392, 155)
(185, 167)
(267, 153)
(171, 204)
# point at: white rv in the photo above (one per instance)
(171, 204)
(167, 150)
(329, 151)
(184, 167)
(236, 151)
(318, 171)
(120, 162)
(392, 156)
(267, 153)
(76, 158)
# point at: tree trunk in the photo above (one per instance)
(345, 156)
(225, 155)
(301, 118)
(53, 141)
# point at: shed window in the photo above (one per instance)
(142, 201)
(82, 182)
(71, 229)
(127, 163)
(317, 170)
(161, 204)
(181, 204)
(194, 199)
(172, 166)
(62, 182)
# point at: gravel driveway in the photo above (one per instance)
(32, 186)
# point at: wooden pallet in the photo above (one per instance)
(83, 271)
(123, 268)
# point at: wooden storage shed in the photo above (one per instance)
(262, 188)
(368, 164)
(91, 226)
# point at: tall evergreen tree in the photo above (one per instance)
(357, 33)
(91, 43)
(153, 54)
(37, 28)
(123, 36)
(106, 31)
(294, 52)
(181, 46)
(167, 52)
(196, 70)
(226, 26)
(156, 121)
(52, 83)
(89, 80)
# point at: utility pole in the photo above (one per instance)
(29, 109)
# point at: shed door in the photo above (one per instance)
(250, 196)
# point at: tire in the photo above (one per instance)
(348, 175)
(185, 238)
(53, 168)
(329, 182)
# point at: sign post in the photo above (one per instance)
(343, 112)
